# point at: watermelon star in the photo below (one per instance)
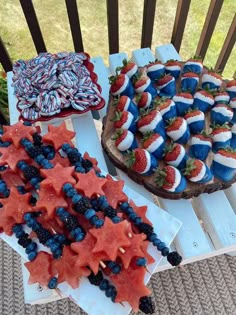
(59, 159)
(130, 286)
(58, 135)
(6, 223)
(67, 271)
(94, 161)
(11, 155)
(57, 177)
(90, 184)
(110, 237)
(16, 132)
(113, 190)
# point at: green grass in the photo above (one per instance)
(56, 31)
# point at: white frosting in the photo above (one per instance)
(182, 99)
(231, 88)
(210, 78)
(127, 103)
(176, 134)
(233, 103)
(233, 128)
(155, 67)
(179, 158)
(164, 85)
(148, 158)
(126, 143)
(155, 144)
(195, 118)
(132, 71)
(177, 180)
(123, 87)
(187, 63)
(224, 160)
(128, 122)
(204, 98)
(222, 98)
(152, 125)
(196, 140)
(200, 175)
(168, 108)
(224, 111)
(149, 100)
(222, 136)
(142, 88)
(173, 68)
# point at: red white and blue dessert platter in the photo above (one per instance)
(171, 127)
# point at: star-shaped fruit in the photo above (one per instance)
(66, 269)
(94, 161)
(85, 256)
(57, 177)
(12, 155)
(16, 205)
(58, 135)
(11, 178)
(110, 238)
(90, 184)
(113, 190)
(49, 201)
(16, 132)
(59, 159)
(140, 211)
(6, 223)
(40, 269)
(130, 286)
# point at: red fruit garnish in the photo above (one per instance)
(190, 75)
(203, 137)
(192, 113)
(215, 74)
(165, 79)
(11, 178)
(205, 93)
(175, 124)
(121, 137)
(185, 95)
(164, 104)
(147, 119)
(113, 190)
(153, 137)
(142, 81)
(127, 67)
(165, 177)
(195, 168)
(12, 155)
(94, 161)
(138, 160)
(118, 82)
(6, 223)
(170, 63)
(122, 120)
(122, 102)
(220, 129)
(228, 153)
(231, 83)
(172, 152)
(16, 132)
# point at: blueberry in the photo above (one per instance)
(65, 147)
(161, 246)
(60, 211)
(94, 219)
(66, 187)
(71, 192)
(52, 284)
(79, 237)
(31, 247)
(27, 216)
(76, 198)
(165, 251)
(129, 210)
(116, 219)
(156, 242)
(152, 237)
(141, 261)
(32, 255)
(124, 206)
(39, 158)
(19, 233)
(109, 291)
(57, 254)
(116, 269)
(104, 285)
(89, 213)
(137, 221)
(99, 223)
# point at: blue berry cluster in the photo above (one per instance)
(31, 173)
(4, 191)
(23, 240)
(101, 204)
(48, 151)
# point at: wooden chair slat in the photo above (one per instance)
(209, 26)
(227, 46)
(73, 15)
(148, 22)
(113, 25)
(32, 21)
(180, 22)
(5, 59)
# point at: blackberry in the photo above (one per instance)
(82, 205)
(30, 172)
(146, 305)
(33, 201)
(110, 212)
(73, 156)
(34, 151)
(24, 241)
(95, 279)
(43, 235)
(87, 164)
(37, 139)
(145, 228)
(71, 222)
(174, 258)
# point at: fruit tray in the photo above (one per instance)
(146, 116)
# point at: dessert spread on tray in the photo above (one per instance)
(172, 127)
(86, 225)
(56, 84)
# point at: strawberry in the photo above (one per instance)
(151, 120)
(224, 164)
(203, 100)
(221, 113)
(178, 130)
(154, 143)
(143, 84)
(183, 102)
(231, 88)
(221, 136)
(193, 65)
(195, 120)
(221, 97)
(124, 140)
(200, 146)
(198, 172)
(167, 86)
(175, 155)
(124, 120)
(232, 104)
(155, 70)
(141, 161)
(169, 178)
(211, 79)
(124, 103)
(129, 68)
(173, 67)
(166, 107)
(233, 139)
(144, 100)
(189, 82)
(121, 85)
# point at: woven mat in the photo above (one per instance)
(205, 287)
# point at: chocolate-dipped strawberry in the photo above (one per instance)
(124, 140)
(125, 120)
(144, 84)
(224, 164)
(232, 104)
(233, 139)
(175, 155)
(129, 68)
(221, 113)
(221, 98)
(144, 100)
(173, 67)
(231, 88)
(155, 70)
(193, 65)
(178, 130)
(183, 102)
(124, 103)
(211, 80)
(221, 136)
(151, 120)
(203, 100)
(141, 162)
(200, 146)
(197, 171)
(195, 120)
(189, 82)
(154, 143)
(170, 179)
(166, 107)
(167, 85)
(121, 85)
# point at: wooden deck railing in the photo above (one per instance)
(147, 29)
